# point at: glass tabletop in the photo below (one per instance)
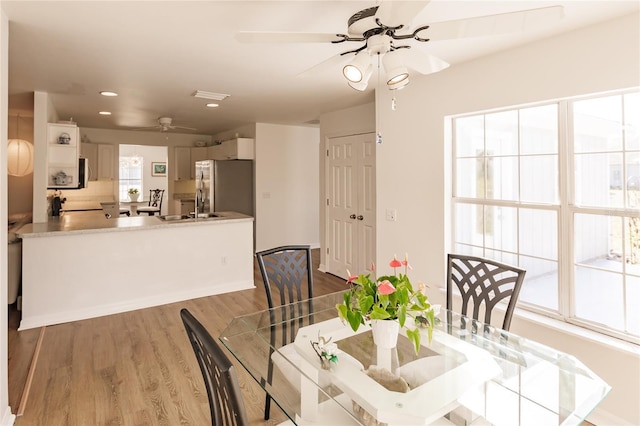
(468, 371)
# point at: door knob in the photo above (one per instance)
(360, 217)
(353, 216)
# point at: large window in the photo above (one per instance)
(555, 189)
(130, 175)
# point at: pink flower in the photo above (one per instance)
(373, 267)
(405, 263)
(386, 288)
(351, 278)
(395, 263)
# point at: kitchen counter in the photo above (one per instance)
(95, 222)
(82, 265)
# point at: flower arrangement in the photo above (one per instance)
(326, 351)
(389, 297)
(132, 191)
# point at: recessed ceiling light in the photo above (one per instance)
(212, 105)
(107, 93)
(104, 113)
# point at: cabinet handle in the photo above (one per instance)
(353, 216)
(360, 217)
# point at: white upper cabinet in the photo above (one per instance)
(101, 158)
(182, 161)
(233, 149)
(106, 161)
(63, 151)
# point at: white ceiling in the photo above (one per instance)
(155, 54)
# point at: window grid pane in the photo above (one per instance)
(130, 175)
(508, 206)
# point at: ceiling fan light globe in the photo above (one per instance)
(398, 85)
(351, 73)
(361, 86)
(397, 76)
(357, 69)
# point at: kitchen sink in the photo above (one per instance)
(187, 217)
(206, 215)
(174, 217)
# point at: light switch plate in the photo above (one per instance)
(391, 215)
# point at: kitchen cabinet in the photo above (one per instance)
(101, 158)
(63, 151)
(106, 161)
(90, 152)
(185, 159)
(197, 154)
(233, 149)
(185, 206)
(182, 160)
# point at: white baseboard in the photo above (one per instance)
(600, 417)
(132, 305)
(7, 418)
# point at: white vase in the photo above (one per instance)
(385, 333)
(134, 197)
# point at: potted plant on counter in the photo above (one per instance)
(133, 194)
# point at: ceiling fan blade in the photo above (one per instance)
(422, 62)
(334, 64)
(393, 13)
(182, 128)
(503, 23)
(285, 37)
(146, 128)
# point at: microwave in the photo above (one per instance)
(83, 173)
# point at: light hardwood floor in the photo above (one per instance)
(135, 368)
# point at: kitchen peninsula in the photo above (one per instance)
(84, 265)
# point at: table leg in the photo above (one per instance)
(308, 392)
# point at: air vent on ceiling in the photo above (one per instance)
(209, 95)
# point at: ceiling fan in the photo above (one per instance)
(164, 125)
(385, 32)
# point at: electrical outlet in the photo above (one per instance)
(391, 215)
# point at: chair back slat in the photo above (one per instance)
(482, 284)
(285, 270)
(225, 398)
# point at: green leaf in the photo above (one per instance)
(355, 319)
(342, 311)
(364, 303)
(379, 313)
(414, 337)
(402, 315)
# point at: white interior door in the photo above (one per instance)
(351, 204)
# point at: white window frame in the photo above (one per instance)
(565, 209)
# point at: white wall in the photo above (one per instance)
(6, 418)
(287, 185)
(413, 164)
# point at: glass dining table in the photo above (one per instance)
(468, 373)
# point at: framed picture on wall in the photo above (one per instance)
(158, 169)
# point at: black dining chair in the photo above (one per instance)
(155, 202)
(288, 278)
(220, 380)
(482, 284)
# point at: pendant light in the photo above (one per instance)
(19, 154)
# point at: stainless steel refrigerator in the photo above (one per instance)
(224, 185)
